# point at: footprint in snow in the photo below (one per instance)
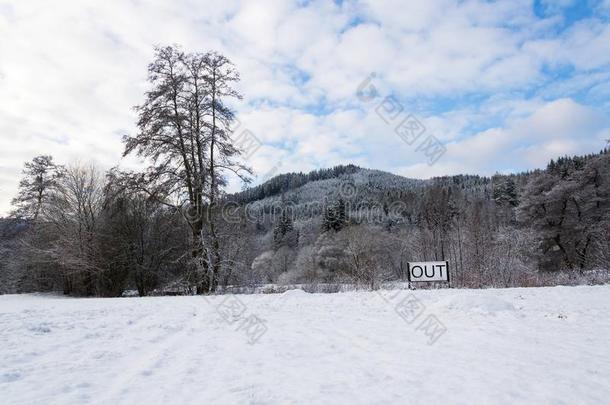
(39, 329)
(10, 377)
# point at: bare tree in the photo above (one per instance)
(39, 178)
(367, 255)
(142, 241)
(185, 132)
(219, 74)
(74, 216)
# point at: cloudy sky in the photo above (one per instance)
(504, 85)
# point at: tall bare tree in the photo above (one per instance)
(185, 132)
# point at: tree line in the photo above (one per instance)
(165, 229)
(89, 231)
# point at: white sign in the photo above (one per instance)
(429, 271)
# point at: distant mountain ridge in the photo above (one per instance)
(290, 181)
(327, 182)
(343, 179)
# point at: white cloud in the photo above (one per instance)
(558, 128)
(70, 72)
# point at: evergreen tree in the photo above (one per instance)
(335, 217)
(505, 191)
(284, 233)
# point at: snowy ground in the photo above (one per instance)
(548, 345)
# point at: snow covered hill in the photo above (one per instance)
(355, 183)
(447, 346)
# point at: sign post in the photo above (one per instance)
(428, 272)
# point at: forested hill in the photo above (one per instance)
(352, 181)
(290, 181)
(325, 182)
(348, 182)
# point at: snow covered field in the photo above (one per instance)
(548, 345)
